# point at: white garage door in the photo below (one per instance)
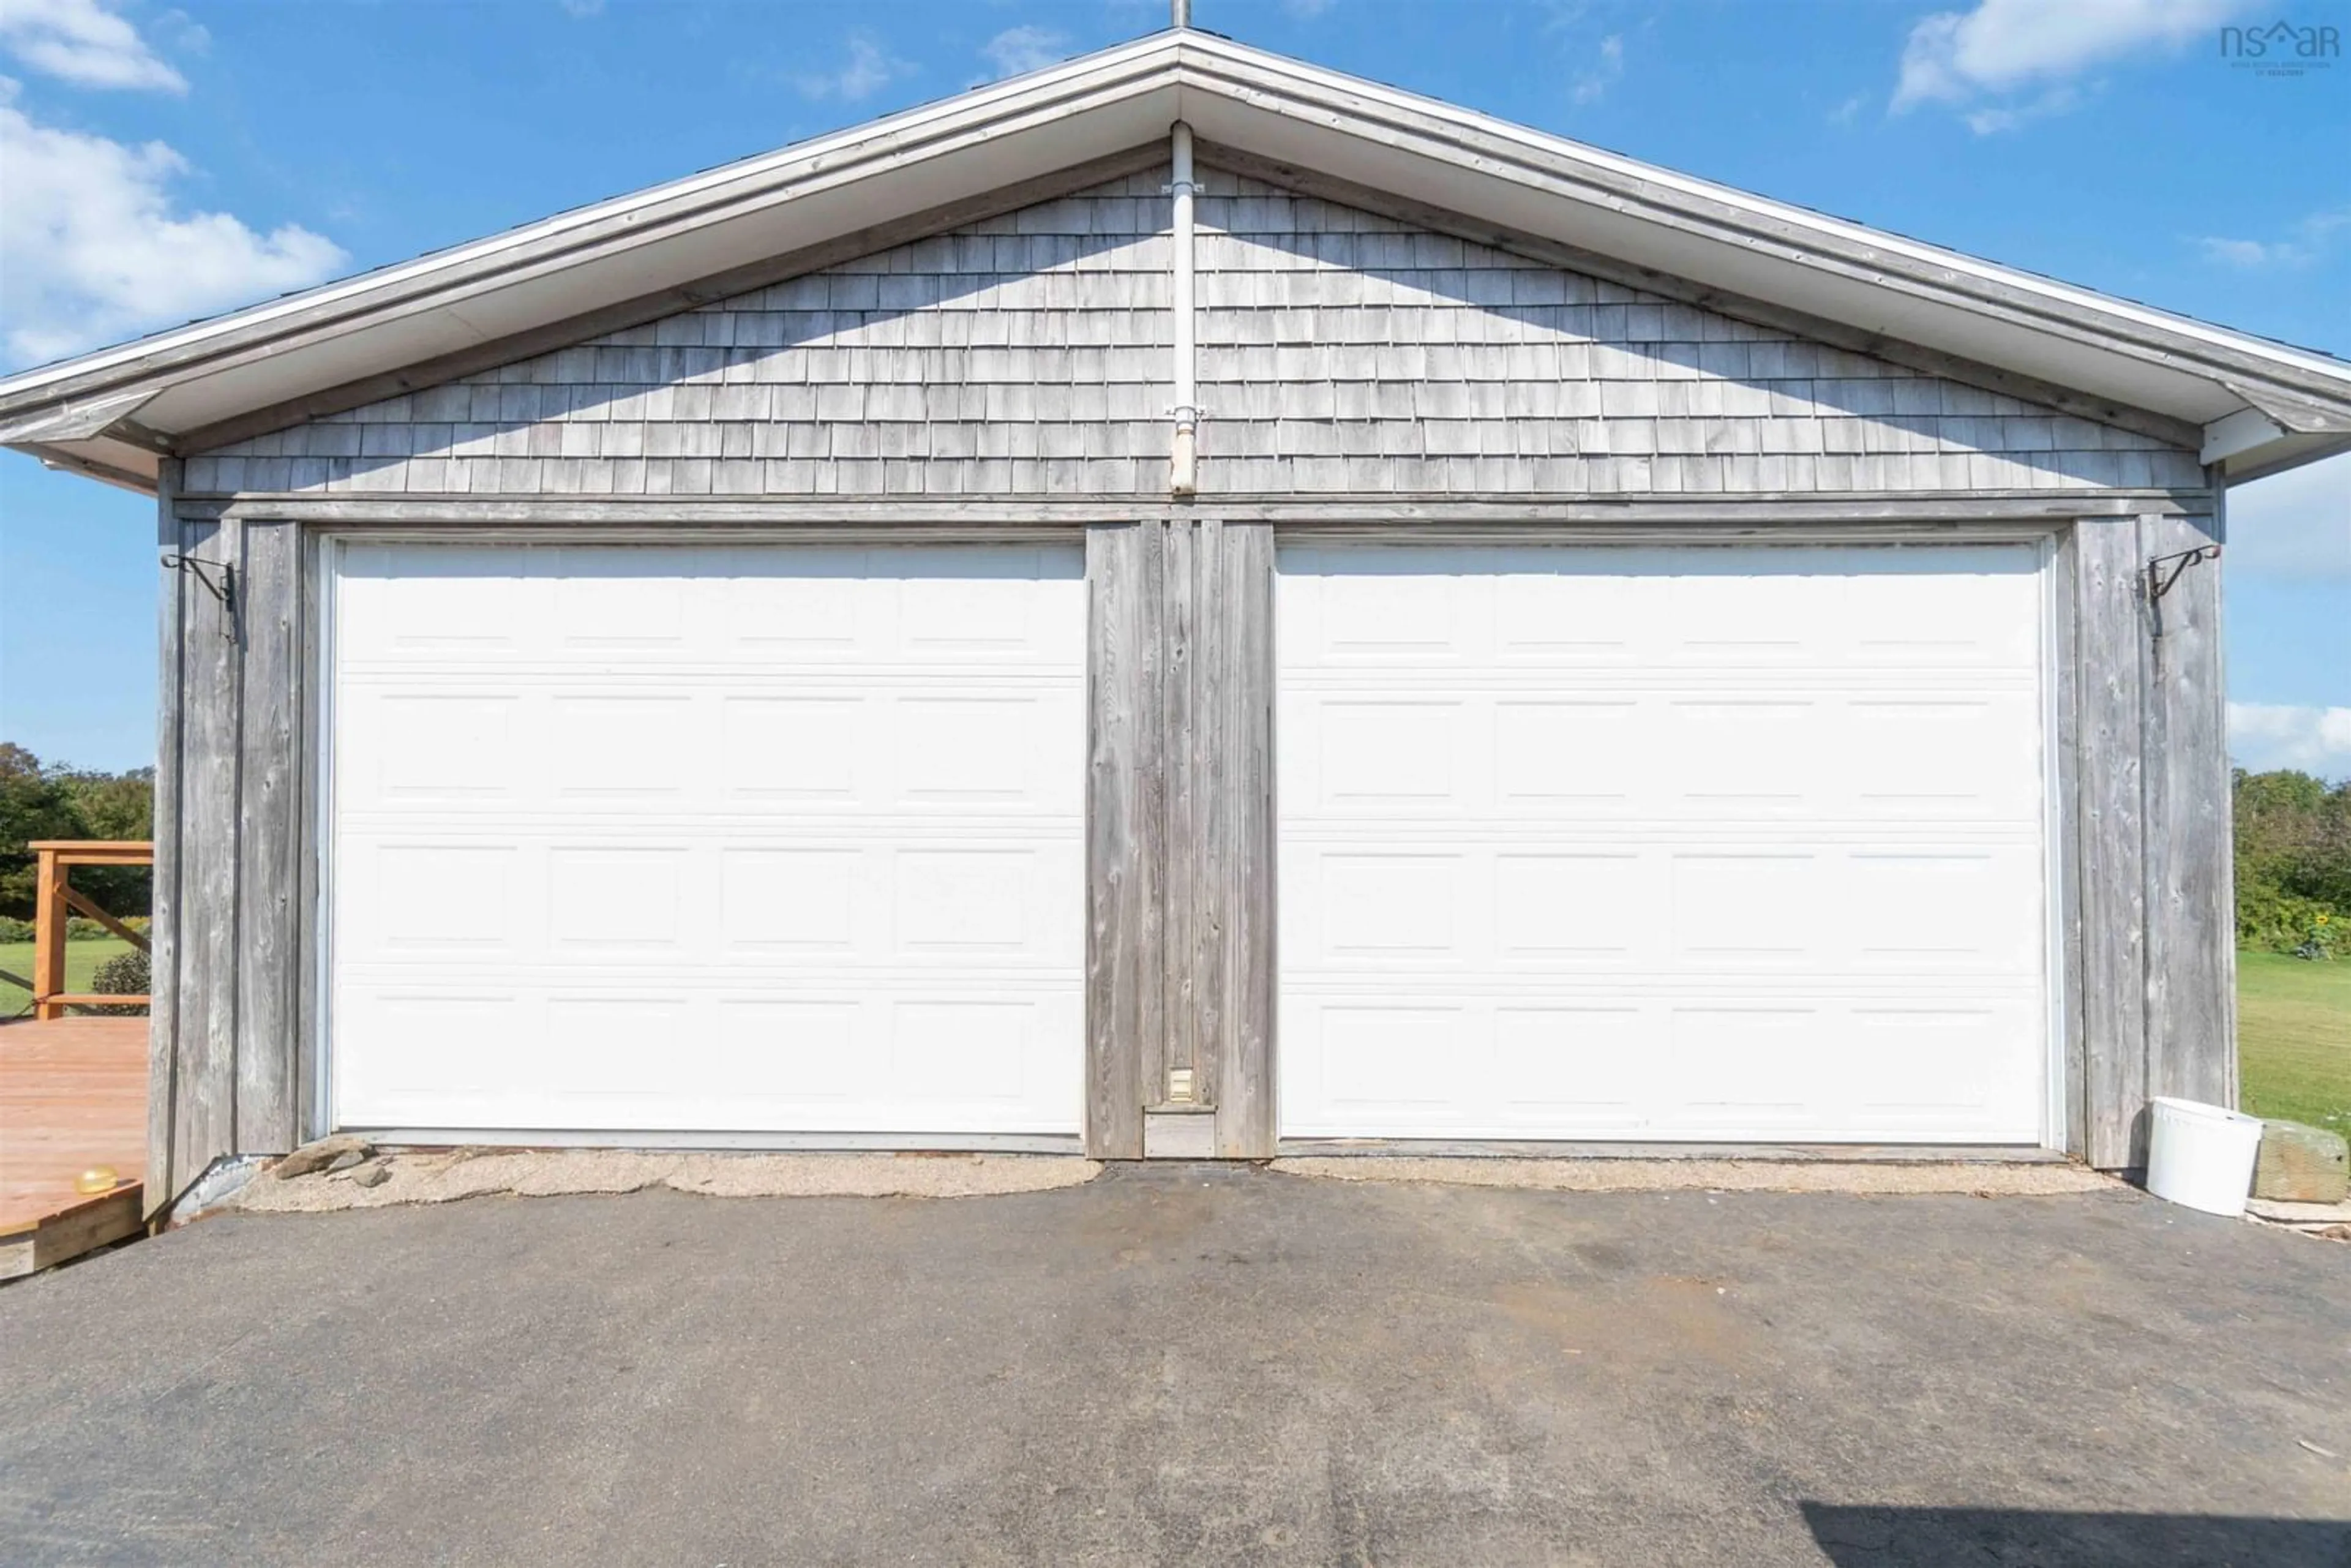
(707, 840)
(1732, 844)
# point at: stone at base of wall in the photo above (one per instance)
(2298, 1164)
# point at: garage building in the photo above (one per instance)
(1186, 604)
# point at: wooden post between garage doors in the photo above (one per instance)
(1180, 885)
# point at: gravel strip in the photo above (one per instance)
(444, 1176)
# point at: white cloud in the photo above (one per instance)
(2033, 48)
(1592, 83)
(2294, 524)
(2264, 736)
(1018, 50)
(580, 10)
(92, 247)
(2303, 244)
(185, 33)
(1993, 119)
(1307, 10)
(867, 70)
(2245, 253)
(82, 42)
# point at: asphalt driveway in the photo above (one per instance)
(1188, 1364)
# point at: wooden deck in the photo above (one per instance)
(73, 1094)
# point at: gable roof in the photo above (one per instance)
(2247, 404)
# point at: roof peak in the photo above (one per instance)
(119, 407)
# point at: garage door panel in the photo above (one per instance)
(1586, 1066)
(792, 748)
(673, 860)
(1929, 1067)
(1373, 755)
(1371, 616)
(1728, 1068)
(969, 750)
(429, 746)
(806, 898)
(1734, 610)
(1718, 867)
(1944, 909)
(1543, 617)
(1568, 758)
(468, 607)
(618, 600)
(646, 746)
(1950, 758)
(1747, 1070)
(1572, 910)
(1737, 910)
(398, 1052)
(601, 896)
(1377, 1060)
(1382, 907)
(1958, 607)
(969, 901)
(1747, 757)
(832, 1060)
(414, 909)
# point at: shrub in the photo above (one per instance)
(2293, 864)
(15, 930)
(2283, 923)
(124, 975)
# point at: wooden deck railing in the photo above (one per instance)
(55, 902)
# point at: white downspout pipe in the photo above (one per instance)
(1183, 461)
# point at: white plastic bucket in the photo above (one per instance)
(2202, 1155)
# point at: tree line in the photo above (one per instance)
(44, 800)
(2294, 862)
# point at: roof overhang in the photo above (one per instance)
(2250, 405)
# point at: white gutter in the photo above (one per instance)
(1183, 461)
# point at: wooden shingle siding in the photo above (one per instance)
(1026, 354)
(1345, 352)
(1341, 352)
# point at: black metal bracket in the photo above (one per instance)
(222, 589)
(2159, 582)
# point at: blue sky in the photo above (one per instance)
(160, 163)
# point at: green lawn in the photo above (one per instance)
(82, 959)
(2293, 1037)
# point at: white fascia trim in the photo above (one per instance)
(2237, 433)
(1347, 95)
(1202, 66)
(825, 161)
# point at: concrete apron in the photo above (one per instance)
(443, 1175)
